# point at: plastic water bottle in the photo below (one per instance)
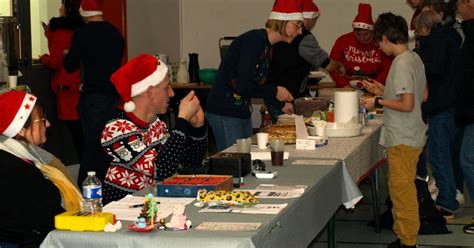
(363, 116)
(92, 193)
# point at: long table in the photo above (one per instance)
(330, 184)
(295, 226)
(359, 154)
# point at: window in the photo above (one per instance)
(6, 8)
(41, 11)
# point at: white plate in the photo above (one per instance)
(316, 74)
(332, 130)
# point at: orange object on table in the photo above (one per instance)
(331, 116)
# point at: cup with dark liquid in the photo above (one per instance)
(278, 148)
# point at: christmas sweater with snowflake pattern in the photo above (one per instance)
(143, 153)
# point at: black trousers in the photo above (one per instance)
(95, 110)
(75, 129)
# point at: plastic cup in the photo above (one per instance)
(262, 140)
(163, 58)
(12, 81)
(320, 131)
(243, 145)
(277, 145)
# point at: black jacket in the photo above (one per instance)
(440, 54)
(65, 23)
(465, 108)
(240, 77)
(96, 49)
(29, 202)
(291, 63)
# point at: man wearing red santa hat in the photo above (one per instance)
(96, 49)
(138, 142)
(359, 53)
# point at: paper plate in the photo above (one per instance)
(338, 130)
(138, 229)
(316, 74)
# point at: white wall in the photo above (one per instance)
(179, 27)
(153, 26)
(205, 21)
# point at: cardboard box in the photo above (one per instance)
(79, 221)
(188, 185)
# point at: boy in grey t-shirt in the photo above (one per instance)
(403, 132)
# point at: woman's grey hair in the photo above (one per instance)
(428, 19)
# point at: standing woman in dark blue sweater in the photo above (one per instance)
(244, 69)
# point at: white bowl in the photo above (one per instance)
(339, 130)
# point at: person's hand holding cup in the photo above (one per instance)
(189, 106)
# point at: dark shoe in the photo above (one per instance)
(469, 229)
(446, 214)
(398, 244)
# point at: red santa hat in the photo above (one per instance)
(136, 76)
(287, 10)
(16, 108)
(91, 8)
(363, 20)
(310, 9)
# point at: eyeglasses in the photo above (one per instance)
(43, 119)
(298, 24)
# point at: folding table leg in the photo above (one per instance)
(331, 232)
(374, 186)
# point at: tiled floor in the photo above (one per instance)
(352, 229)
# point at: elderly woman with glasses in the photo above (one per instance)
(35, 185)
(243, 71)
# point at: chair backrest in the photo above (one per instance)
(224, 43)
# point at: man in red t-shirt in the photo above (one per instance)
(359, 53)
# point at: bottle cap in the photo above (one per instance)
(91, 173)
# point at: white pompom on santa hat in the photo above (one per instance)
(16, 109)
(287, 10)
(364, 20)
(134, 78)
(310, 9)
(91, 8)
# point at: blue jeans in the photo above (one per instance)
(228, 129)
(467, 158)
(441, 137)
(458, 175)
(8, 245)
